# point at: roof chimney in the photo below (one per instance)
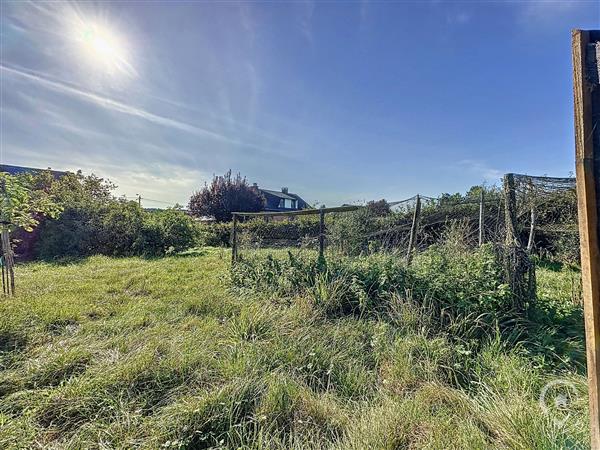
(255, 186)
(284, 190)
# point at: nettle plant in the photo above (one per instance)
(21, 206)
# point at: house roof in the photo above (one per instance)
(18, 170)
(279, 194)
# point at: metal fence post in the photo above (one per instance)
(413, 230)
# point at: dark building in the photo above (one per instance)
(18, 170)
(281, 200)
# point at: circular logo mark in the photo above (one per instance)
(556, 399)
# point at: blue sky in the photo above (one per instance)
(339, 101)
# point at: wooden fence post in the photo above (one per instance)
(4, 281)
(519, 272)
(531, 239)
(481, 221)
(8, 261)
(586, 92)
(533, 218)
(321, 233)
(510, 211)
(413, 230)
(234, 249)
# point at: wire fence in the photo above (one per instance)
(400, 227)
(529, 216)
(546, 210)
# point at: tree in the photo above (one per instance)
(379, 207)
(21, 206)
(224, 195)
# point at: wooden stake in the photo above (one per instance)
(481, 223)
(531, 240)
(587, 163)
(4, 283)
(234, 249)
(519, 271)
(413, 230)
(8, 261)
(510, 208)
(321, 233)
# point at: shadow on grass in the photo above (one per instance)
(64, 260)
(556, 266)
(558, 336)
(11, 341)
(71, 260)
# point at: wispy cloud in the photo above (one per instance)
(121, 107)
(167, 183)
(480, 169)
(548, 12)
(458, 18)
(66, 88)
(363, 14)
(305, 15)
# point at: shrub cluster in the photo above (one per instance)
(93, 221)
(116, 228)
(455, 282)
(219, 234)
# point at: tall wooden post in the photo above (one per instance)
(234, 249)
(586, 92)
(531, 239)
(533, 218)
(510, 211)
(321, 233)
(413, 230)
(8, 261)
(481, 212)
(519, 272)
(4, 281)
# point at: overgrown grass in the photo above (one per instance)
(135, 353)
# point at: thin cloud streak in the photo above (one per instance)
(489, 174)
(108, 103)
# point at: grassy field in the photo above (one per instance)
(162, 353)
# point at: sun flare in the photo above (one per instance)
(103, 49)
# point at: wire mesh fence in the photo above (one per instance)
(546, 212)
(400, 227)
(529, 216)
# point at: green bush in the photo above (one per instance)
(121, 225)
(455, 283)
(462, 280)
(116, 228)
(219, 234)
(166, 231)
(95, 222)
(215, 234)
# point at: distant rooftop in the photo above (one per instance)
(278, 193)
(18, 170)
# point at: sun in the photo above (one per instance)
(102, 49)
